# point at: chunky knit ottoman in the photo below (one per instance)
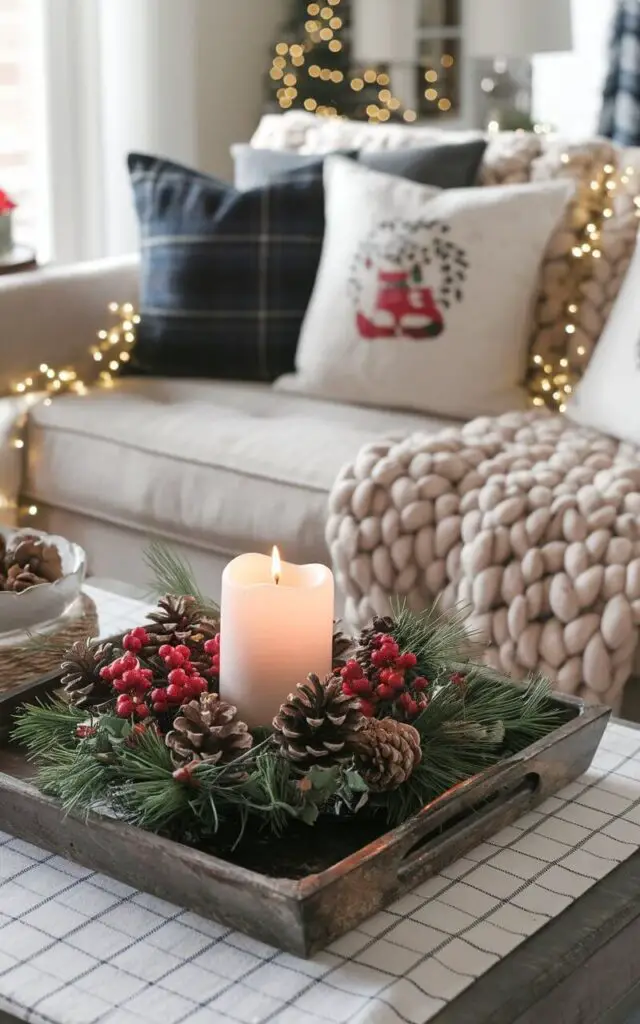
(530, 521)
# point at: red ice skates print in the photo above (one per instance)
(404, 278)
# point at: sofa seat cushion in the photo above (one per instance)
(226, 467)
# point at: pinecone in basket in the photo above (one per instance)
(342, 644)
(366, 645)
(387, 752)
(34, 556)
(318, 723)
(208, 730)
(84, 686)
(20, 579)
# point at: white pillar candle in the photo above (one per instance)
(276, 626)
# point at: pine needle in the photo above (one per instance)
(174, 575)
(46, 728)
(440, 640)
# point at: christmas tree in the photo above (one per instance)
(312, 68)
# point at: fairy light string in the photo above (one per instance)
(552, 383)
(110, 352)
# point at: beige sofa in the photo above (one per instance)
(220, 468)
(215, 467)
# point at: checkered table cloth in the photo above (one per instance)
(77, 947)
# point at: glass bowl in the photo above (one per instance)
(39, 605)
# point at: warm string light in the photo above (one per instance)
(551, 384)
(324, 25)
(113, 349)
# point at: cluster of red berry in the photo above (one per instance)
(394, 679)
(131, 682)
(181, 680)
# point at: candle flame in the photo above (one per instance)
(276, 565)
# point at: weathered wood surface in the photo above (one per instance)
(300, 917)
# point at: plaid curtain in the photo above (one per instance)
(620, 117)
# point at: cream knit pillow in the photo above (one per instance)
(423, 297)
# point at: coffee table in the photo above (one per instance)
(542, 923)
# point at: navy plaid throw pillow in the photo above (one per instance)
(226, 275)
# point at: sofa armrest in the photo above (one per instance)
(52, 315)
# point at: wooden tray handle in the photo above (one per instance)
(459, 830)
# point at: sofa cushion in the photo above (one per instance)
(426, 292)
(445, 165)
(226, 467)
(226, 275)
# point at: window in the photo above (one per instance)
(22, 136)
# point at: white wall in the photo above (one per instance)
(234, 55)
(567, 87)
(178, 78)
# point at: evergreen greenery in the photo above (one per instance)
(474, 718)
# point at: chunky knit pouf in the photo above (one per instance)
(529, 521)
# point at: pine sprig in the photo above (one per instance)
(440, 640)
(174, 575)
(46, 728)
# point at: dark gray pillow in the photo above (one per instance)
(445, 165)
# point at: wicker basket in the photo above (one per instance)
(24, 662)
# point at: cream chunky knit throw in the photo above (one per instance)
(530, 521)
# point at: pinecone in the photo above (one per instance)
(318, 724)
(81, 674)
(365, 645)
(35, 556)
(387, 752)
(342, 644)
(177, 620)
(208, 730)
(20, 579)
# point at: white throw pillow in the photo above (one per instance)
(608, 396)
(423, 297)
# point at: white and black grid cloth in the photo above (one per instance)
(77, 947)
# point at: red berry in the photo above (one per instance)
(212, 646)
(457, 679)
(396, 680)
(385, 692)
(174, 659)
(132, 643)
(412, 709)
(160, 706)
(199, 684)
(347, 689)
(106, 673)
(361, 686)
(405, 700)
(84, 731)
(174, 693)
(423, 702)
(367, 708)
(165, 650)
(118, 667)
(420, 683)
(159, 694)
(380, 658)
(215, 662)
(178, 677)
(184, 651)
(352, 670)
(407, 660)
(384, 638)
(141, 633)
(125, 707)
(120, 686)
(129, 661)
(142, 710)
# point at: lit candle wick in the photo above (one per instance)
(276, 566)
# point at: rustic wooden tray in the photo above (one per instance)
(300, 916)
